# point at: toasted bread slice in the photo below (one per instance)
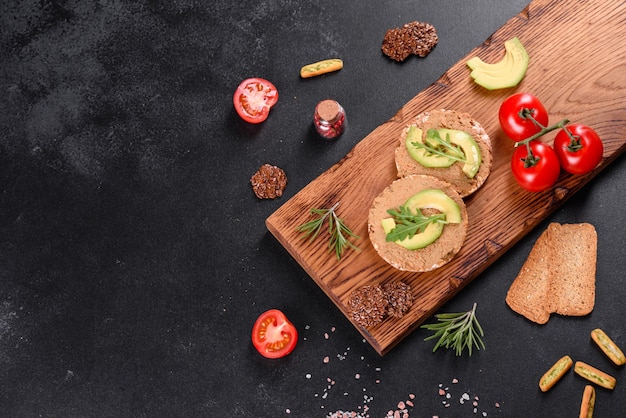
(432, 256)
(528, 293)
(454, 175)
(559, 275)
(573, 269)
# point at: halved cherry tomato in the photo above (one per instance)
(580, 151)
(537, 172)
(273, 335)
(254, 98)
(516, 116)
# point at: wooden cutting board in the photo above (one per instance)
(577, 68)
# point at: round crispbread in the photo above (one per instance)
(430, 257)
(454, 175)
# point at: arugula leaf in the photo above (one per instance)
(443, 147)
(408, 223)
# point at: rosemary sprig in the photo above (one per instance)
(338, 230)
(435, 144)
(409, 223)
(458, 331)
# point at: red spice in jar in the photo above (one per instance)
(329, 118)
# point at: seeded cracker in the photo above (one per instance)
(368, 305)
(417, 38)
(269, 182)
(399, 298)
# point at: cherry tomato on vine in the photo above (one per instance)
(537, 172)
(515, 121)
(580, 151)
(273, 335)
(254, 98)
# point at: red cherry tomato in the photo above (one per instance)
(581, 152)
(254, 98)
(273, 335)
(512, 117)
(539, 172)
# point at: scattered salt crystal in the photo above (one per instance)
(308, 375)
(333, 329)
(357, 376)
(442, 392)
(497, 404)
(409, 403)
(484, 414)
(326, 359)
(401, 405)
(411, 396)
(326, 335)
(455, 380)
(288, 411)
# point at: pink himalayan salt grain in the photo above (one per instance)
(401, 405)
(409, 403)
(411, 396)
(326, 359)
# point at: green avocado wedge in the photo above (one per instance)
(508, 72)
(420, 154)
(426, 199)
(468, 145)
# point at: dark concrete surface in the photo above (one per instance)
(134, 257)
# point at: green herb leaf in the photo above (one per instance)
(443, 147)
(457, 331)
(337, 229)
(409, 223)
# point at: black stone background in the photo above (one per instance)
(134, 257)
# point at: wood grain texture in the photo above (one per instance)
(578, 70)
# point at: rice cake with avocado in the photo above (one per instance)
(431, 256)
(446, 123)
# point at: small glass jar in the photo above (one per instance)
(329, 118)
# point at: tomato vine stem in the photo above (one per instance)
(527, 113)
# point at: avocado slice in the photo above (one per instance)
(415, 134)
(462, 139)
(433, 199)
(508, 72)
(436, 199)
(468, 145)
